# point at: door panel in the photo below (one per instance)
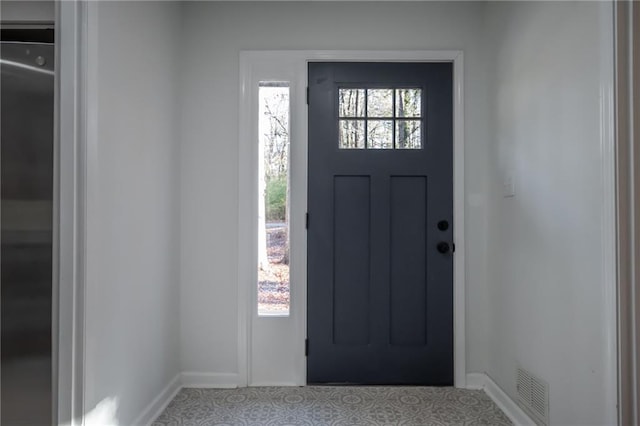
(407, 260)
(351, 260)
(380, 294)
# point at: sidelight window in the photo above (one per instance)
(273, 199)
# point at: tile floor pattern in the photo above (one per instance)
(334, 406)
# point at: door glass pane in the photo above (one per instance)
(408, 134)
(273, 201)
(351, 133)
(393, 118)
(380, 134)
(351, 102)
(380, 103)
(408, 102)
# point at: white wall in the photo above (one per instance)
(547, 294)
(214, 34)
(534, 262)
(133, 235)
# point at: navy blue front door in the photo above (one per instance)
(380, 262)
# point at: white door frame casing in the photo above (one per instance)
(627, 122)
(69, 217)
(254, 65)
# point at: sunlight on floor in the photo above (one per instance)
(104, 414)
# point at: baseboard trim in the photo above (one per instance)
(271, 384)
(510, 408)
(184, 380)
(159, 403)
(476, 381)
(210, 380)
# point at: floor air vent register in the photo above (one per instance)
(533, 396)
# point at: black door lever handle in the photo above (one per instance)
(443, 247)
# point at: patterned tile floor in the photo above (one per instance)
(335, 406)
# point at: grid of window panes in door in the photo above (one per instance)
(380, 118)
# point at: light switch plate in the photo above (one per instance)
(508, 187)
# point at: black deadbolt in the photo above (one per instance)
(443, 247)
(443, 225)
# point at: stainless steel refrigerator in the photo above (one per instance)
(27, 155)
